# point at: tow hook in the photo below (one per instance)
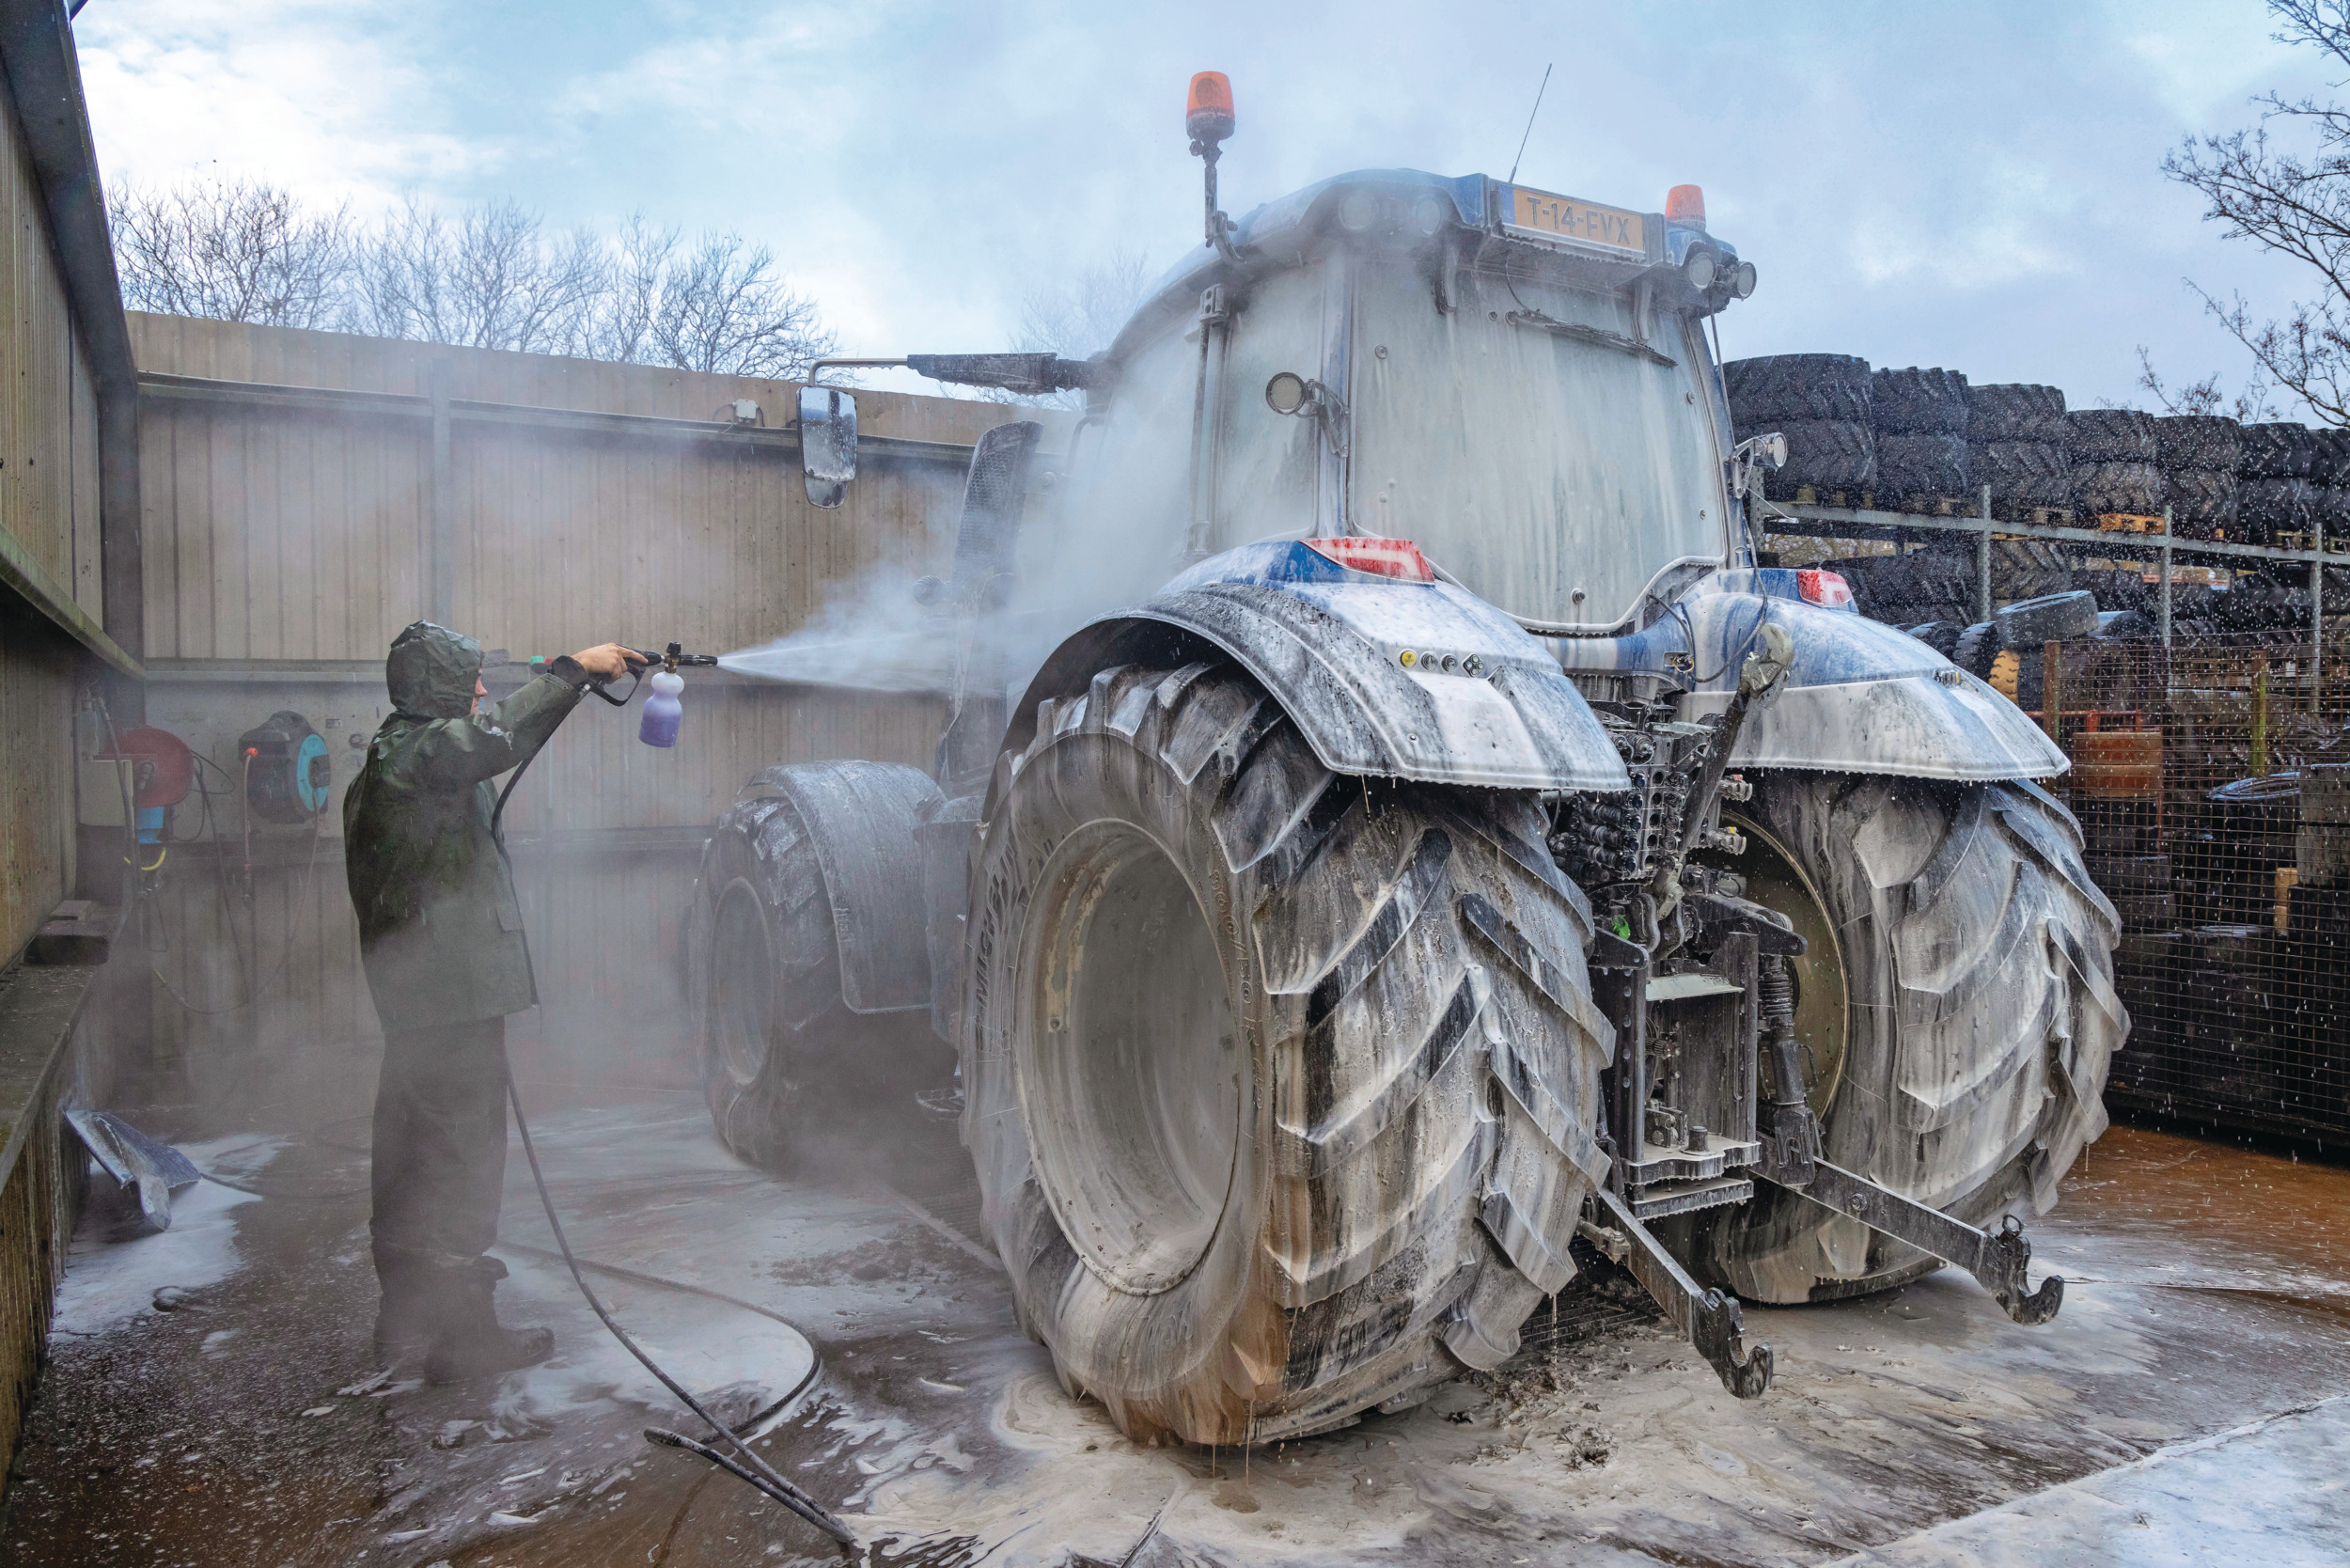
(1712, 1322)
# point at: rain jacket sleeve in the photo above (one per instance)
(451, 754)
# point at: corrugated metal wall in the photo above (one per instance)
(286, 544)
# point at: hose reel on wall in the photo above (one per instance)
(288, 776)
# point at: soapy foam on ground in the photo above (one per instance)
(112, 1277)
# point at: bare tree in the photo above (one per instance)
(2295, 205)
(720, 307)
(1082, 316)
(232, 251)
(2250, 405)
(490, 279)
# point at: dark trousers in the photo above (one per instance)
(439, 1167)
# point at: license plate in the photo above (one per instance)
(1557, 217)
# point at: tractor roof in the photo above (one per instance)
(1406, 208)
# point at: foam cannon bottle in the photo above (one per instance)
(664, 713)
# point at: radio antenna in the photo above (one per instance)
(1529, 124)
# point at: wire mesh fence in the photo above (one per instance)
(2212, 782)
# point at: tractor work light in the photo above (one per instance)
(1742, 281)
(1399, 559)
(1825, 589)
(1699, 270)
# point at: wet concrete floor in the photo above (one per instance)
(210, 1397)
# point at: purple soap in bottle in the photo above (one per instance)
(662, 710)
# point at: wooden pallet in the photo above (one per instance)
(2128, 523)
(2052, 517)
(1943, 506)
(1851, 500)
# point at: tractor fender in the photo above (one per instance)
(1383, 679)
(1862, 697)
(860, 819)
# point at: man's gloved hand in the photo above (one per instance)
(608, 661)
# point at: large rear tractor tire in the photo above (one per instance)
(1281, 1085)
(1956, 1008)
(787, 1067)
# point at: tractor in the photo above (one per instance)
(1425, 834)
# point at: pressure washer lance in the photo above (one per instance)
(664, 713)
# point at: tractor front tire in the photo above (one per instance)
(1282, 1084)
(788, 1068)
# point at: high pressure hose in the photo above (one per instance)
(752, 1469)
(758, 1472)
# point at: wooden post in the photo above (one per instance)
(441, 546)
(2052, 691)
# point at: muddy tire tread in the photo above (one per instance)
(1985, 1020)
(1412, 1210)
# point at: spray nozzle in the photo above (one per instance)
(671, 658)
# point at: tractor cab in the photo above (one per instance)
(1517, 382)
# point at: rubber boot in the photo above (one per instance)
(467, 1341)
(405, 1315)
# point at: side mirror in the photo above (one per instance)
(827, 443)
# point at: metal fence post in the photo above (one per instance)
(2259, 720)
(2317, 613)
(2163, 611)
(2052, 691)
(1983, 560)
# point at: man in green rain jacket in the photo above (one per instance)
(440, 935)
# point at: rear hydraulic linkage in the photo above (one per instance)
(1790, 1159)
(1785, 1148)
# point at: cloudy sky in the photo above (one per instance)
(1972, 185)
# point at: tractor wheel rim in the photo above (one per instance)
(1131, 1069)
(741, 983)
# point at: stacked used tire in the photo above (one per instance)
(2027, 567)
(2197, 454)
(1926, 592)
(2114, 469)
(2273, 498)
(2016, 445)
(1819, 403)
(1921, 420)
(2329, 484)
